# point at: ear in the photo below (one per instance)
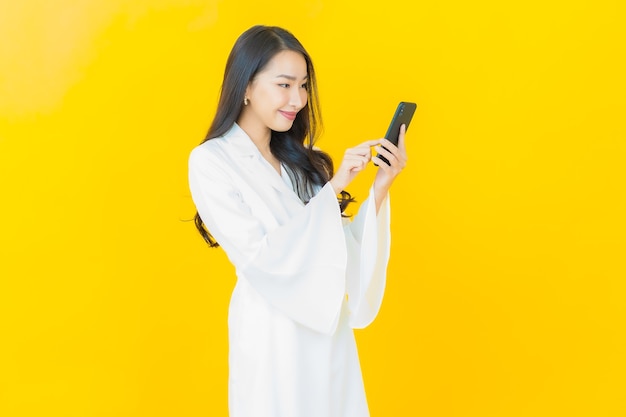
(248, 90)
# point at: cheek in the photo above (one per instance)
(277, 96)
(305, 97)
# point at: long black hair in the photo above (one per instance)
(308, 168)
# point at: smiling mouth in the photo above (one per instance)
(290, 115)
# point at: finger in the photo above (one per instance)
(390, 151)
(357, 167)
(352, 162)
(369, 143)
(360, 152)
(388, 144)
(381, 150)
(352, 156)
(401, 143)
(399, 151)
(381, 164)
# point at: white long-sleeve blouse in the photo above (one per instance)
(305, 278)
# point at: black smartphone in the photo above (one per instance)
(402, 116)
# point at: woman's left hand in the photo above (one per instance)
(396, 155)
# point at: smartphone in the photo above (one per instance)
(402, 116)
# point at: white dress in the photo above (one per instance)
(305, 279)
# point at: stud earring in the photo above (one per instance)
(245, 101)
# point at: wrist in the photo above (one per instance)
(381, 188)
(337, 188)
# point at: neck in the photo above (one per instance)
(260, 136)
(259, 133)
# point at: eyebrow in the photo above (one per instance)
(291, 77)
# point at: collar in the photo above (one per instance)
(240, 142)
(241, 145)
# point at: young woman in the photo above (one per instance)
(305, 275)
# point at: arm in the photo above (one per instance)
(368, 236)
(368, 242)
(298, 267)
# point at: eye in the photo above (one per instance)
(305, 86)
(284, 85)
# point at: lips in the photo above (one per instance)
(289, 115)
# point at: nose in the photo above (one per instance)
(298, 98)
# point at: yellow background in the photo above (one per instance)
(506, 286)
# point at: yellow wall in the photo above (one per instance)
(506, 287)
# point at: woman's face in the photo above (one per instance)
(278, 92)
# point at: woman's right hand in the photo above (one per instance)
(354, 161)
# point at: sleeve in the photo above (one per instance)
(299, 267)
(368, 239)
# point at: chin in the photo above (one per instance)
(281, 127)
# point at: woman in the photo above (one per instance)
(305, 276)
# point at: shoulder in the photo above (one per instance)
(213, 149)
(232, 145)
(208, 150)
(210, 159)
(220, 158)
